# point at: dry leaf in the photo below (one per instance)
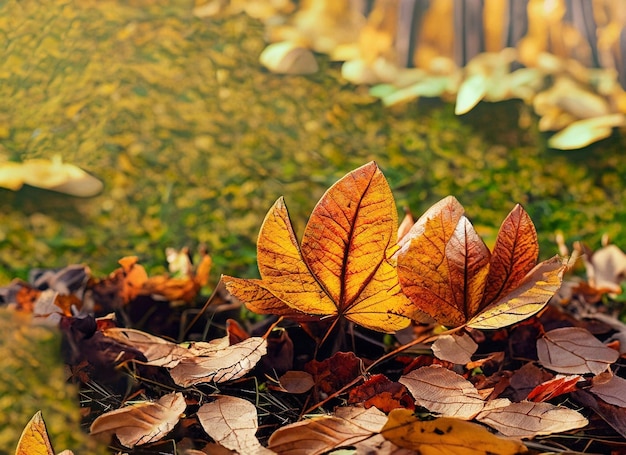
(143, 422)
(445, 435)
(559, 385)
(343, 267)
(227, 364)
(447, 271)
(296, 382)
(455, 348)
(606, 268)
(232, 422)
(34, 439)
(527, 419)
(321, 434)
(443, 392)
(574, 350)
(381, 392)
(612, 391)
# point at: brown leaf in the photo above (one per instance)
(606, 268)
(343, 267)
(142, 422)
(332, 374)
(296, 382)
(232, 422)
(574, 350)
(447, 271)
(527, 419)
(381, 392)
(443, 392)
(322, 434)
(455, 348)
(227, 364)
(613, 415)
(612, 391)
(445, 435)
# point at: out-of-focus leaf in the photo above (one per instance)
(318, 435)
(445, 435)
(612, 391)
(455, 348)
(574, 350)
(288, 58)
(342, 268)
(471, 91)
(613, 415)
(232, 422)
(34, 439)
(527, 419)
(447, 271)
(443, 392)
(606, 268)
(143, 422)
(584, 132)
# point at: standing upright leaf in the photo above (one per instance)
(447, 271)
(343, 267)
(34, 439)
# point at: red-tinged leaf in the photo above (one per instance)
(514, 254)
(143, 422)
(381, 392)
(612, 391)
(528, 298)
(322, 434)
(455, 348)
(443, 392)
(527, 419)
(332, 374)
(574, 350)
(232, 422)
(343, 267)
(554, 387)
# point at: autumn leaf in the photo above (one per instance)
(527, 419)
(445, 435)
(556, 386)
(574, 350)
(321, 434)
(142, 422)
(381, 392)
(232, 422)
(444, 392)
(612, 391)
(455, 348)
(34, 439)
(448, 272)
(343, 266)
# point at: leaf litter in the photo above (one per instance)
(484, 332)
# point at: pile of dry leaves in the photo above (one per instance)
(491, 352)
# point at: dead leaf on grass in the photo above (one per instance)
(233, 423)
(443, 392)
(143, 422)
(445, 435)
(574, 350)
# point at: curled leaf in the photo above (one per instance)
(143, 422)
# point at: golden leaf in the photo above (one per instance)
(34, 439)
(445, 435)
(343, 267)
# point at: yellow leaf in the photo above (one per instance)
(34, 439)
(445, 435)
(343, 267)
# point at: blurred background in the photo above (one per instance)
(193, 138)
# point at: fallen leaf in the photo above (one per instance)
(559, 385)
(574, 350)
(455, 348)
(227, 364)
(613, 415)
(335, 372)
(527, 419)
(35, 440)
(445, 435)
(612, 391)
(343, 267)
(232, 422)
(443, 392)
(288, 58)
(142, 422)
(322, 434)
(296, 382)
(447, 271)
(606, 268)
